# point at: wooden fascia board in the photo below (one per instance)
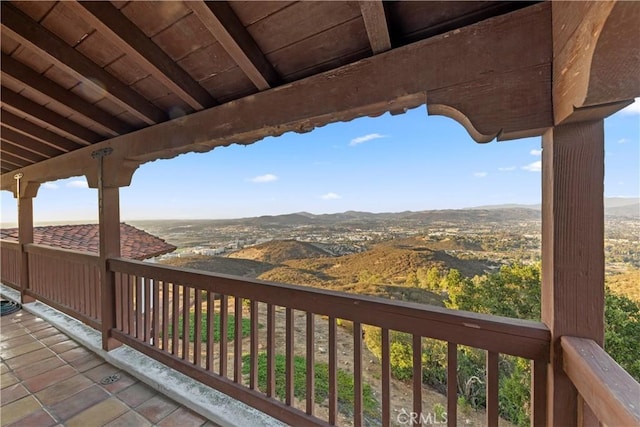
(222, 22)
(107, 19)
(375, 21)
(399, 79)
(36, 111)
(28, 32)
(13, 69)
(596, 58)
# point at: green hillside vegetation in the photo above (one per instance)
(626, 284)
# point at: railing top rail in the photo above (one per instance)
(608, 389)
(68, 254)
(504, 335)
(9, 244)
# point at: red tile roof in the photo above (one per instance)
(134, 243)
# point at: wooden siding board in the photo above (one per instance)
(99, 49)
(127, 70)
(250, 12)
(229, 84)
(154, 16)
(35, 9)
(206, 62)
(311, 18)
(184, 37)
(66, 24)
(345, 40)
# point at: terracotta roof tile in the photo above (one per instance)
(134, 243)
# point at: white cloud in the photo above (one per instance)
(77, 184)
(632, 109)
(623, 141)
(261, 179)
(50, 186)
(535, 152)
(480, 174)
(507, 169)
(330, 196)
(533, 167)
(365, 138)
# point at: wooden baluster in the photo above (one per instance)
(253, 374)
(289, 347)
(155, 327)
(130, 298)
(118, 301)
(492, 388)
(210, 326)
(386, 379)
(139, 309)
(186, 308)
(237, 341)
(146, 282)
(333, 371)
(97, 295)
(311, 389)
(538, 393)
(165, 316)
(417, 377)
(224, 327)
(197, 328)
(84, 307)
(175, 299)
(271, 350)
(357, 374)
(452, 384)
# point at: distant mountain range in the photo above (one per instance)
(613, 206)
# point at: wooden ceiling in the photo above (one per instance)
(78, 73)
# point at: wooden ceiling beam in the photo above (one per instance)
(16, 150)
(14, 160)
(17, 102)
(15, 70)
(112, 23)
(28, 143)
(222, 22)
(509, 95)
(50, 138)
(31, 34)
(375, 21)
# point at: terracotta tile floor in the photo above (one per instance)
(47, 379)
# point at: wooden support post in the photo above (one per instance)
(572, 250)
(109, 229)
(25, 192)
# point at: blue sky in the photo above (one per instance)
(385, 164)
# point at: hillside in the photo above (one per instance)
(214, 264)
(279, 251)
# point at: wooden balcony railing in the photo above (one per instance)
(10, 263)
(66, 280)
(153, 306)
(611, 393)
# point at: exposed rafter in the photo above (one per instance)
(222, 22)
(9, 158)
(29, 128)
(107, 19)
(16, 71)
(375, 22)
(31, 34)
(386, 82)
(16, 150)
(28, 142)
(17, 102)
